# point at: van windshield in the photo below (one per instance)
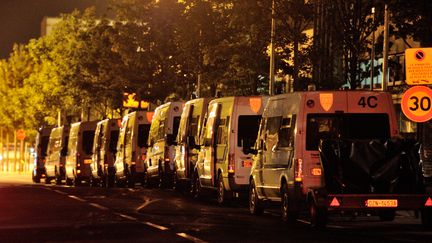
(87, 141)
(248, 127)
(346, 126)
(143, 133)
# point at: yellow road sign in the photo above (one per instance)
(418, 66)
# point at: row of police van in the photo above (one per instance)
(312, 152)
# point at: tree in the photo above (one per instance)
(354, 25)
(412, 19)
(294, 18)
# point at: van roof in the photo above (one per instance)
(169, 104)
(334, 101)
(197, 100)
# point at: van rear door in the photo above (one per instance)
(247, 115)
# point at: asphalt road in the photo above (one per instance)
(48, 213)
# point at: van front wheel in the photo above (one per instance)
(221, 192)
(195, 186)
(288, 215)
(255, 205)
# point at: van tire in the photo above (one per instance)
(255, 205)
(221, 191)
(58, 180)
(77, 182)
(57, 177)
(69, 181)
(36, 179)
(161, 177)
(318, 214)
(146, 180)
(130, 181)
(288, 215)
(110, 179)
(176, 184)
(195, 186)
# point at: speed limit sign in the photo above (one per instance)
(416, 104)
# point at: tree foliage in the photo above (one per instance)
(160, 48)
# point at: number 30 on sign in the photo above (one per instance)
(417, 104)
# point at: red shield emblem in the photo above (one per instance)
(326, 101)
(255, 104)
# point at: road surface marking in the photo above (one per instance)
(191, 238)
(146, 203)
(155, 226)
(127, 216)
(77, 198)
(60, 192)
(303, 221)
(98, 206)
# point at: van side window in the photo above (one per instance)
(260, 141)
(286, 132)
(272, 131)
(247, 130)
(193, 126)
(222, 131)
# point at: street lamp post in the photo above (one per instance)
(272, 50)
(372, 52)
(386, 47)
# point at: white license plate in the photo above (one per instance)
(381, 203)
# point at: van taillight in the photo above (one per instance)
(166, 155)
(316, 171)
(298, 170)
(231, 163)
(78, 156)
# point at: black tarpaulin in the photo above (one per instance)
(371, 166)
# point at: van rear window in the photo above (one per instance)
(248, 127)
(87, 141)
(113, 140)
(44, 146)
(143, 133)
(346, 126)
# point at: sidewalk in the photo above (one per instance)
(15, 177)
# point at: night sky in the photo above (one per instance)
(20, 20)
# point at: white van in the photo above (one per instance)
(79, 153)
(42, 139)
(162, 141)
(224, 161)
(132, 148)
(187, 149)
(287, 167)
(104, 149)
(56, 154)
